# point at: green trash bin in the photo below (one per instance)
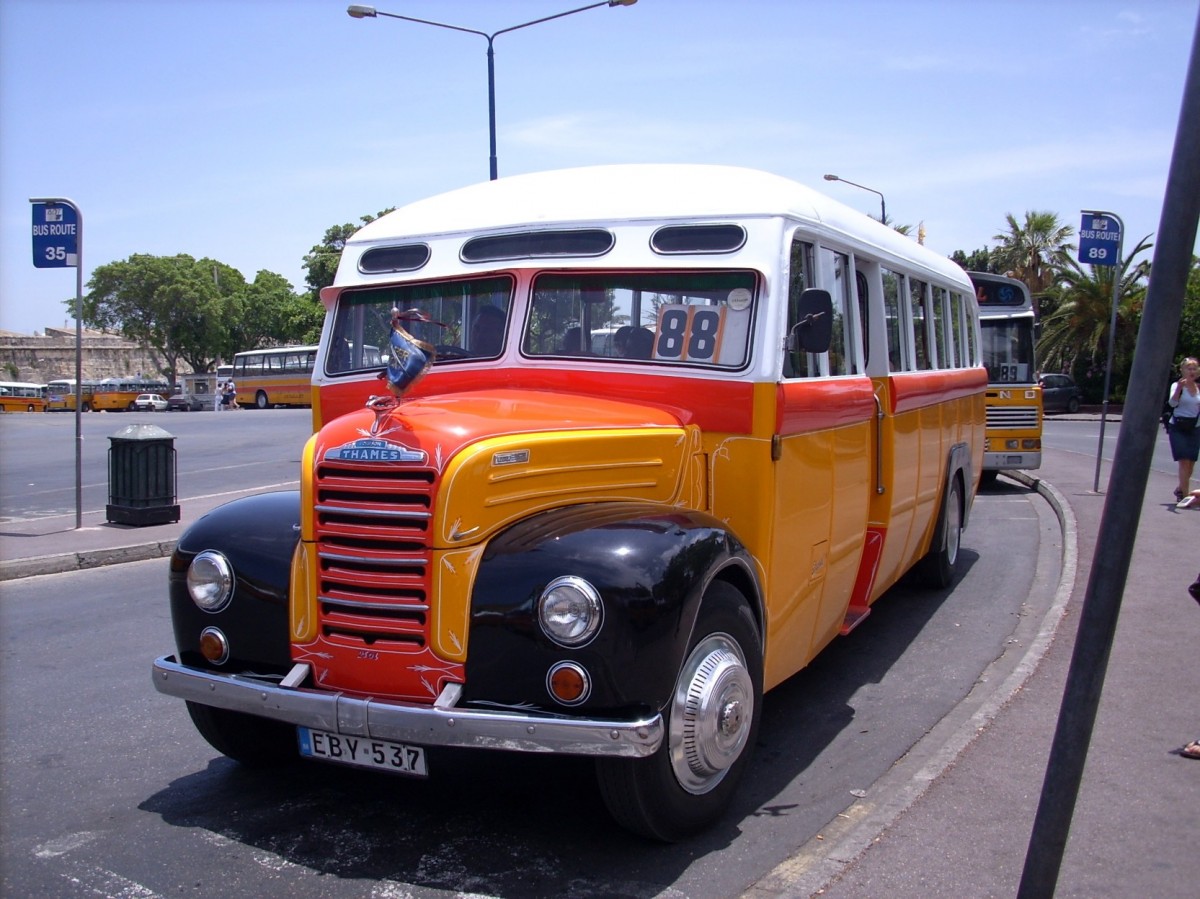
(141, 476)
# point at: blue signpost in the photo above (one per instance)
(58, 243)
(1100, 236)
(56, 233)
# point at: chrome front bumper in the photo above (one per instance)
(441, 724)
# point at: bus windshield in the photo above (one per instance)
(1008, 350)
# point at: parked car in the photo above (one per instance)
(150, 402)
(186, 402)
(1059, 393)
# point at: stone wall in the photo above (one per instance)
(45, 358)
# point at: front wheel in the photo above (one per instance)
(253, 741)
(1073, 405)
(260, 399)
(712, 720)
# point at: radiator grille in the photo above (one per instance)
(1012, 416)
(372, 532)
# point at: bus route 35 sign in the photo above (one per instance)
(55, 235)
(1099, 238)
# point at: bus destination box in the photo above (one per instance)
(141, 476)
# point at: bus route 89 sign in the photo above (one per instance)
(55, 235)
(1099, 238)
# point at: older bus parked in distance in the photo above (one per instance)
(60, 395)
(21, 396)
(648, 439)
(1014, 399)
(274, 376)
(120, 394)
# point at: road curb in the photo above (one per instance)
(78, 561)
(825, 857)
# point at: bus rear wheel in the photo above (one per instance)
(938, 566)
(260, 399)
(712, 720)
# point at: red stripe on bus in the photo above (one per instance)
(805, 406)
(715, 406)
(917, 389)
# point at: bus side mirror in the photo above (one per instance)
(813, 332)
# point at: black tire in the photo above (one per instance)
(689, 782)
(1073, 405)
(87, 407)
(255, 742)
(260, 399)
(939, 565)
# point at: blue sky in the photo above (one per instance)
(243, 130)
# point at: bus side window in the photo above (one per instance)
(864, 320)
(892, 320)
(796, 363)
(835, 275)
(918, 292)
(943, 336)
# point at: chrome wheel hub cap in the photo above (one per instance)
(711, 714)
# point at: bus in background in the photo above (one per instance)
(1014, 399)
(275, 376)
(21, 396)
(120, 394)
(60, 395)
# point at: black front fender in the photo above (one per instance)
(258, 535)
(651, 566)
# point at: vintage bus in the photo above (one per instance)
(274, 376)
(61, 393)
(536, 531)
(1014, 399)
(120, 394)
(21, 396)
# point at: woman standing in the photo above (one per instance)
(1184, 399)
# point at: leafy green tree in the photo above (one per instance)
(1188, 342)
(322, 260)
(977, 261)
(177, 307)
(1075, 335)
(1033, 252)
(269, 312)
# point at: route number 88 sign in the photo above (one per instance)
(689, 333)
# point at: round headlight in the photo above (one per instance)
(569, 611)
(210, 581)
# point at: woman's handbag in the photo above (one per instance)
(1183, 425)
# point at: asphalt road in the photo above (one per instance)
(215, 453)
(106, 789)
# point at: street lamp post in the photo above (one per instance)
(882, 203)
(356, 11)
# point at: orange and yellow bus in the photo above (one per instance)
(274, 376)
(120, 394)
(1014, 399)
(648, 439)
(21, 396)
(61, 393)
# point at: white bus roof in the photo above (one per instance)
(632, 193)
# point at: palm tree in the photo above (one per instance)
(1033, 252)
(1075, 334)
